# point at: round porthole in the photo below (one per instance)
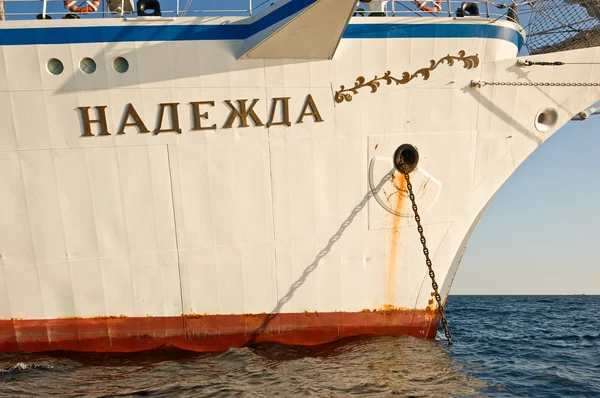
(546, 119)
(55, 66)
(87, 65)
(120, 65)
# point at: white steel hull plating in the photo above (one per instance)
(259, 219)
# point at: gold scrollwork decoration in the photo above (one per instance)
(345, 94)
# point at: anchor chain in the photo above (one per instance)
(434, 284)
(532, 84)
(539, 63)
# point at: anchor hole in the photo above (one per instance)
(406, 158)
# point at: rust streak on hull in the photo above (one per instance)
(206, 333)
(399, 183)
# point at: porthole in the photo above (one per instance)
(546, 119)
(55, 66)
(120, 65)
(87, 65)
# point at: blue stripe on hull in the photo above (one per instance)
(113, 34)
(407, 31)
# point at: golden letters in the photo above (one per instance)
(198, 116)
(87, 122)
(241, 110)
(137, 121)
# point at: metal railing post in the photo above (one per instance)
(177, 8)
(393, 8)
(487, 8)
(250, 6)
(449, 8)
(44, 5)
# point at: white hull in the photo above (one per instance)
(250, 220)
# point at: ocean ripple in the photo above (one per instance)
(504, 346)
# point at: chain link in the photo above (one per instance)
(533, 84)
(434, 284)
(539, 63)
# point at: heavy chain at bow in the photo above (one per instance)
(434, 284)
(532, 84)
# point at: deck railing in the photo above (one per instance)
(55, 9)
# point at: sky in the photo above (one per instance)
(540, 232)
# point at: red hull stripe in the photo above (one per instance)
(208, 332)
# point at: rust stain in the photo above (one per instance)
(425, 186)
(399, 182)
(389, 308)
(209, 332)
(431, 304)
(307, 314)
(387, 196)
(72, 318)
(260, 315)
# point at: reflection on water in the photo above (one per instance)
(370, 365)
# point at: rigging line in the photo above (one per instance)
(560, 29)
(559, 22)
(521, 29)
(581, 22)
(503, 5)
(558, 63)
(503, 15)
(186, 7)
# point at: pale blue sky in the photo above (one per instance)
(539, 234)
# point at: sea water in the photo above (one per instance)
(503, 346)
